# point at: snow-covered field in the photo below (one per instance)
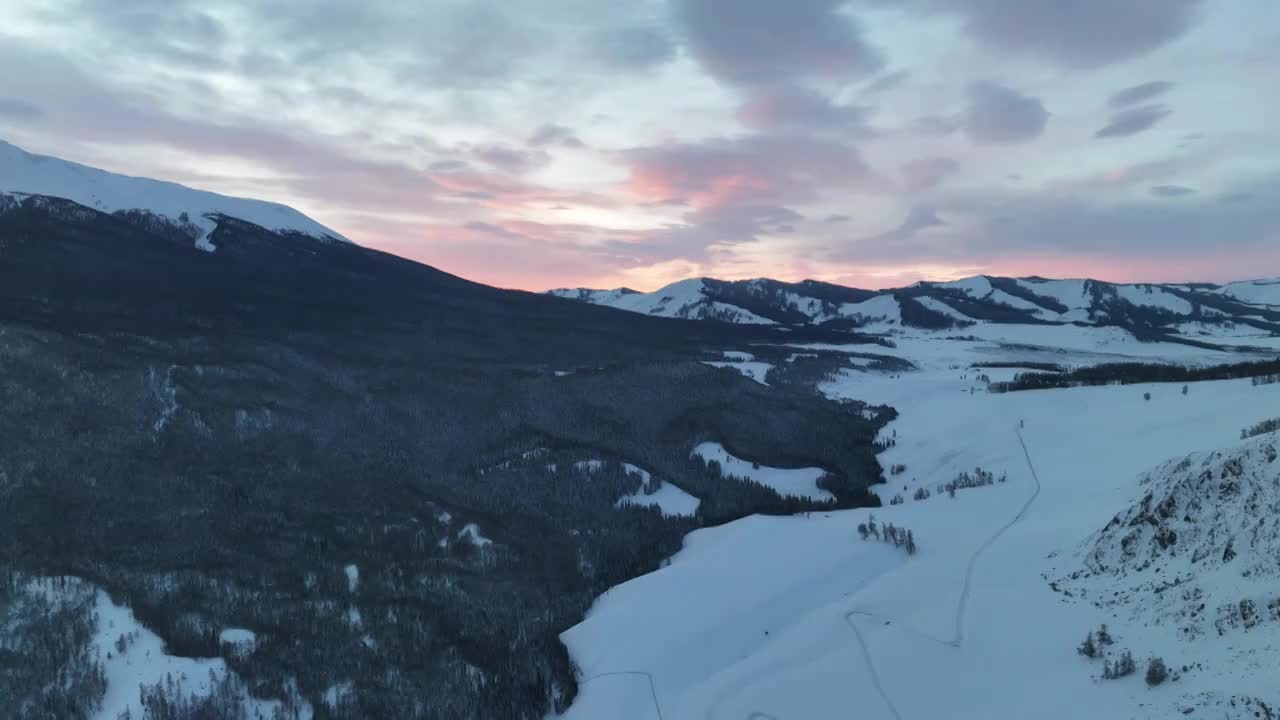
(798, 617)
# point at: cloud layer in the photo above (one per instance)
(566, 142)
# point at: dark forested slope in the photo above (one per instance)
(214, 437)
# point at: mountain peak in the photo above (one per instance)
(26, 173)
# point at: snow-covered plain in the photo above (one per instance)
(774, 618)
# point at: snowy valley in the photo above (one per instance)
(799, 617)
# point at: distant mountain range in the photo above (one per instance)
(1188, 312)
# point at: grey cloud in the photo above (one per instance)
(1071, 33)
(511, 160)
(895, 243)
(792, 107)
(552, 134)
(703, 228)
(1133, 121)
(837, 219)
(18, 109)
(446, 166)
(939, 124)
(77, 107)
(918, 219)
(1068, 223)
(634, 47)
(997, 114)
(1138, 93)
(1169, 191)
(887, 82)
(492, 229)
(766, 41)
(928, 172)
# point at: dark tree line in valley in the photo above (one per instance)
(1133, 373)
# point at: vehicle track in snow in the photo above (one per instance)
(653, 688)
(961, 607)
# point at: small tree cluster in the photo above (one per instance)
(896, 500)
(890, 533)
(1123, 667)
(1157, 671)
(1266, 379)
(965, 480)
(921, 494)
(897, 469)
(1261, 428)
(1095, 642)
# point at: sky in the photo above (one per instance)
(554, 143)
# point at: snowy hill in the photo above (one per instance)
(1200, 313)
(1255, 292)
(688, 299)
(1200, 550)
(26, 174)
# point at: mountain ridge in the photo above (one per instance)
(25, 174)
(1187, 311)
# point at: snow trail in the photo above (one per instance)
(653, 689)
(965, 591)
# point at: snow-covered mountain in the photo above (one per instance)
(25, 174)
(1186, 312)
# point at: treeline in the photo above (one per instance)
(48, 667)
(1132, 373)
(1261, 428)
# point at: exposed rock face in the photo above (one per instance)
(1201, 547)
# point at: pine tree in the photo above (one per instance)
(1156, 672)
(1088, 648)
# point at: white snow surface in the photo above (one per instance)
(242, 640)
(144, 662)
(681, 299)
(671, 500)
(801, 482)
(939, 306)
(471, 532)
(1254, 292)
(881, 309)
(1071, 293)
(1156, 297)
(26, 173)
(754, 370)
(353, 577)
(796, 617)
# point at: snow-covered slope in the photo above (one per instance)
(1254, 292)
(1199, 550)
(23, 173)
